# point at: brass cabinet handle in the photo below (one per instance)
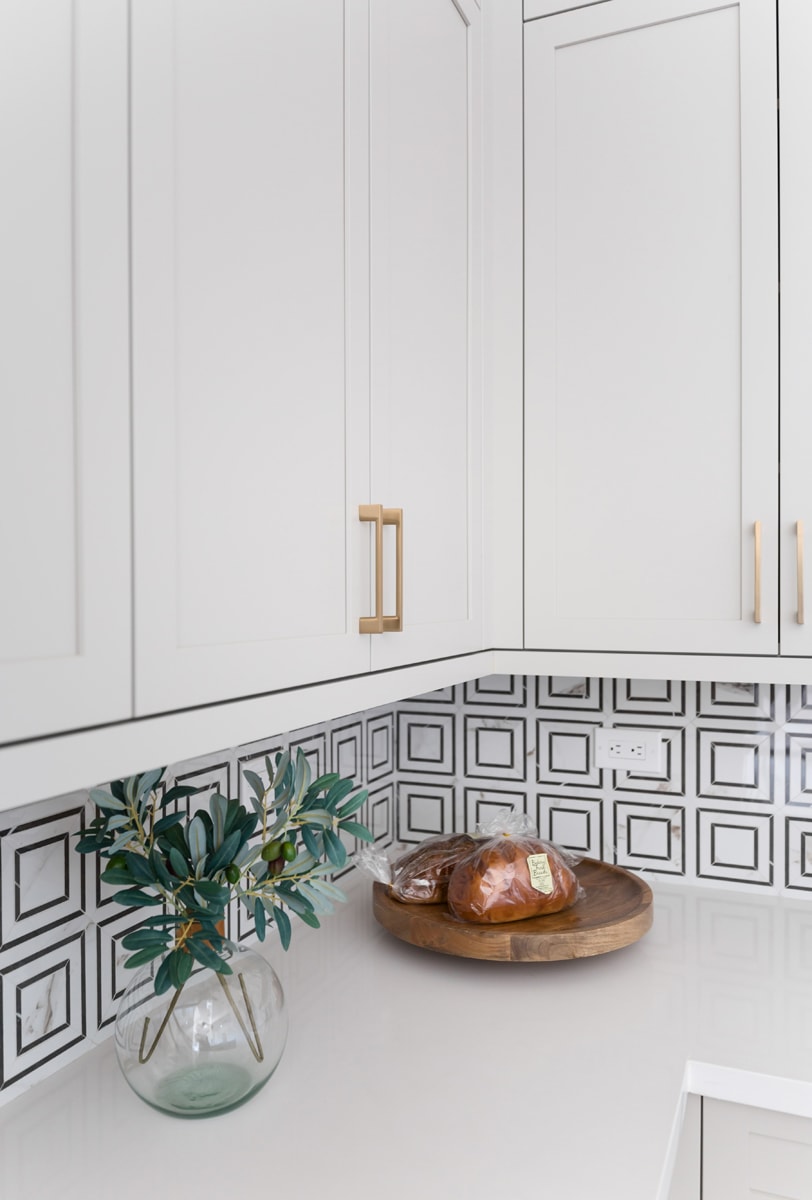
(394, 516)
(757, 540)
(799, 559)
(384, 516)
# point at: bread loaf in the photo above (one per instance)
(420, 876)
(508, 879)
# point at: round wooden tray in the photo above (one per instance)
(615, 911)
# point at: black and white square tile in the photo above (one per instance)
(379, 814)
(494, 691)
(426, 743)
(798, 851)
(42, 878)
(112, 976)
(735, 765)
(482, 806)
(424, 808)
(380, 746)
(734, 846)
(207, 778)
(735, 701)
(446, 695)
(43, 1004)
(650, 837)
(256, 760)
(650, 697)
(569, 693)
(798, 767)
(574, 822)
(799, 703)
(313, 743)
(347, 750)
(495, 747)
(564, 754)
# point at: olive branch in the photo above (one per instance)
(192, 866)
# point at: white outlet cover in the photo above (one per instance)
(629, 749)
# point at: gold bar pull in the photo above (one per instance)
(384, 516)
(394, 516)
(799, 551)
(757, 605)
(374, 512)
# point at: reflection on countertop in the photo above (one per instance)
(409, 1073)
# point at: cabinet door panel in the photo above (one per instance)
(795, 31)
(651, 381)
(247, 443)
(64, 367)
(425, 318)
(753, 1152)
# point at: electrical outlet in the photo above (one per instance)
(629, 749)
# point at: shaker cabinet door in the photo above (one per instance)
(754, 1153)
(64, 367)
(251, 445)
(425, 284)
(651, 408)
(795, 117)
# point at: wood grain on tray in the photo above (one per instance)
(615, 911)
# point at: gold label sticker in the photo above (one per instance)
(541, 877)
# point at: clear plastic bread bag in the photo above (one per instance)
(420, 874)
(511, 874)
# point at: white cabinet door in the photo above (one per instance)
(795, 34)
(651, 412)
(64, 367)
(425, 251)
(752, 1152)
(251, 441)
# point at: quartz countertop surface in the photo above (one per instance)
(410, 1074)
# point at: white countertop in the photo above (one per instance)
(409, 1074)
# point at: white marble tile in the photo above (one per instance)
(495, 747)
(736, 701)
(564, 753)
(650, 837)
(482, 805)
(735, 845)
(42, 878)
(380, 746)
(424, 807)
(653, 697)
(43, 1003)
(426, 742)
(735, 765)
(573, 822)
(496, 690)
(379, 814)
(576, 693)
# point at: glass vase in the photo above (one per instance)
(208, 1046)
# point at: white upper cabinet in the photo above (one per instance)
(651, 411)
(64, 367)
(425, 295)
(250, 419)
(795, 32)
(306, 246)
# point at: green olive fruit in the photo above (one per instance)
(271, 851)
(232, 873)
(118, 862)
(288, 851)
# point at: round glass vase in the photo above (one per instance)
(208, 1046)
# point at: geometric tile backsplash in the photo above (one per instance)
(730, 807)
